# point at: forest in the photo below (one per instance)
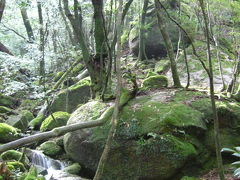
(119, 89)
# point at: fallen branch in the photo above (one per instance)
(125, 97)
(57, 131)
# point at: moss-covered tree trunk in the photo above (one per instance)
(99, 26)
(168, 43)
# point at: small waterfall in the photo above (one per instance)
(38, 159)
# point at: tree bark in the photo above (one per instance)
(27, 24)
(113, 128)
(141, 54)
(211, 83)
(168, 43)
(41, 46)
(2, 7)
(99, 27)
(66, 23)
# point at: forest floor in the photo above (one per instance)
(213, 175)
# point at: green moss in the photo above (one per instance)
(36, 122)
(58, 76)
(32, 174)
(50, 148)
(60, 119)
(183, 95)
(162, 66)
(77, 69)
(8, 133)
(6, 110)
(29, 104)
(189, 178)
(21, 121)
(157, 81)
(6, 101)
(73, 169)
(84, 82)
(11, 155)
(76, 94)
(16, 166)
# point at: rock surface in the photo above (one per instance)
(67, 100)
(160, 132)
(60, 119)
(21, 120)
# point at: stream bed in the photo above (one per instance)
(50, 168)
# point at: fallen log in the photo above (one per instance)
(57, 131)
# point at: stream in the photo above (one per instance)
(50, 168)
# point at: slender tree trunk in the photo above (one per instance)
(142, 31)
(2, 7)
(66, 23)
(113, 128)
(41, 46)
(168, 43)
(215, 115)
(27, 24)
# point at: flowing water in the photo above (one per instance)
(51, 166)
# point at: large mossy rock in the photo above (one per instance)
(14, 155)
(50, 148)
(7, 101)
(156, 136)
(21, 120)
(60, 119)
(68, 99)
(8, 133)
(157, 81)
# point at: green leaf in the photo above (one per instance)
(228, 150)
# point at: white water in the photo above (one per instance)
(52, 166)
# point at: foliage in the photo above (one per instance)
(235, 152)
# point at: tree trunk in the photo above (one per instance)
(168, 44)
(214, 109)
(142, 30)
(113, 128)
(27, 24)
(2, 7)
(41, 46)
(99, 27)
(66, 23)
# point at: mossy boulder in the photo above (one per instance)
(8, 133)
(73, 169)
(60, 119)
(7, 101)
(36, 122)
(21, 120)
(14, 155)
(158, 81)
(6, 110)
(50, 148)
(16, 166)
(68, 99)
(143, 143)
